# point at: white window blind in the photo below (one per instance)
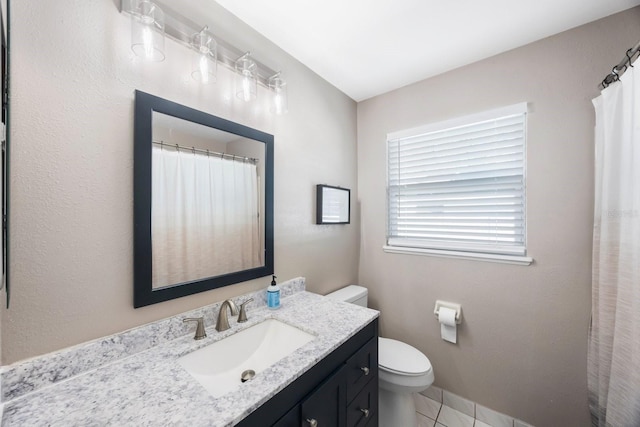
(460, 186)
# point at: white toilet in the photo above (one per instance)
(402, 370)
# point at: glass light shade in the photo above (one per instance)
(279, 103)
(246, 78)
(147, 31)
(204, 63)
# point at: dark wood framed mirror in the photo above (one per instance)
(203, 201)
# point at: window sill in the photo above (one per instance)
(504, 259)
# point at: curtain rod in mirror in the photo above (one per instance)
(207, 152)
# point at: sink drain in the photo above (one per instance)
(247, 375)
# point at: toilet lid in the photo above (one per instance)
(401, 358)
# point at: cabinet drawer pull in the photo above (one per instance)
(312, 422)
(365, 412)
(365, 370)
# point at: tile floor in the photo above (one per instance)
(432, 413)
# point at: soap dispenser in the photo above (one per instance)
(273, 294)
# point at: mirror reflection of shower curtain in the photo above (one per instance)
(614, 344)
(204, 216)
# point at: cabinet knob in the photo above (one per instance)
(365, 370)
(312, 422)
(365, 412)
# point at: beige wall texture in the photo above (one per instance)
(73, 80)
(522, 346)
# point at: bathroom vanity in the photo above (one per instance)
(134, 378)
(340, 390)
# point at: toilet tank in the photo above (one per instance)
(353, 293)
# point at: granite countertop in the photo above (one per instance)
(151, 388)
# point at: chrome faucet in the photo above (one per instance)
(223, 317)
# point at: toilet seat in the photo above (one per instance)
(400, 358)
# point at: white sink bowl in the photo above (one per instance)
(218, 367)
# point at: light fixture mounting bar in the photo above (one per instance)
(181, 29)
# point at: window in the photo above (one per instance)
(458, 187)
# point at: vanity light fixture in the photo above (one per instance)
(147, 30)
(205, 65)
(246, 78)
(278, 86)
(152, 20)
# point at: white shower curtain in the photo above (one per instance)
(204, 216)
(614, 341)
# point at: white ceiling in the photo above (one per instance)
(369, 47)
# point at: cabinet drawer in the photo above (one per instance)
(364, 407)
(361, 367)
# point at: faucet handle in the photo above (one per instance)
(200, 332)
(242, 317)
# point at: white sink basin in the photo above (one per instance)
(219, 366)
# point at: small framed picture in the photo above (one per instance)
(332, 205)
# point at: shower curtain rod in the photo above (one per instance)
(622, 66)
(207, 152)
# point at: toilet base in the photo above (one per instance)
(396, 409)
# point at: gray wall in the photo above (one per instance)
(523, 344)
(73, 80)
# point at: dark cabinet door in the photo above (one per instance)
(325, 407)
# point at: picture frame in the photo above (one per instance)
(333, 205)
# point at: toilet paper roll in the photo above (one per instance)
(448, 328)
